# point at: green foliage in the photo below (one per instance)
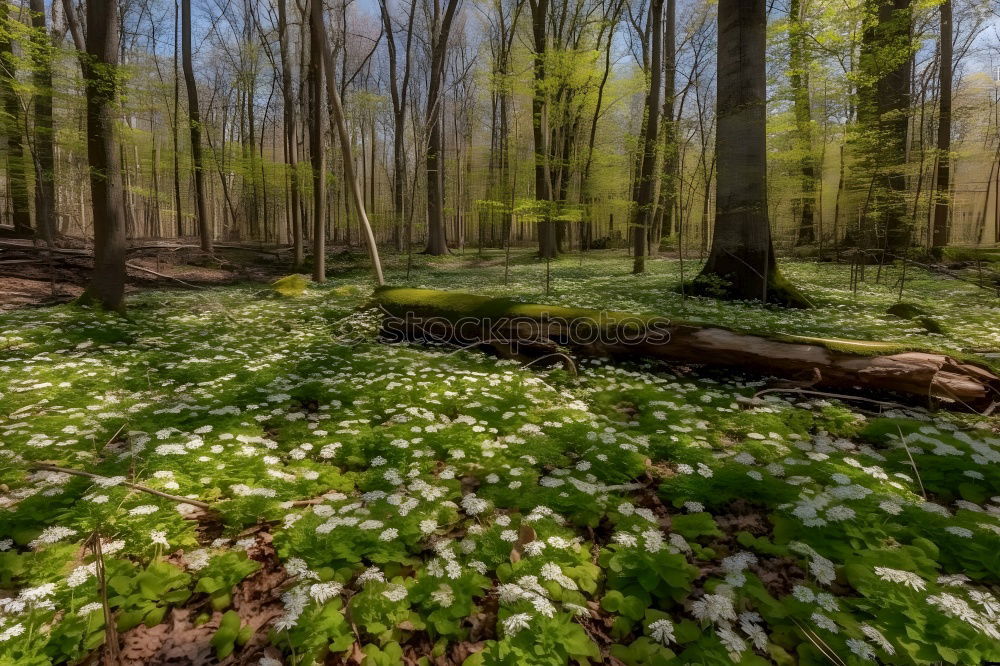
(231, 633)
(145, 598)
(419, 497)
(222, 573)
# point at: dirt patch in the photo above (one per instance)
(30, 277)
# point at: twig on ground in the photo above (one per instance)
(133, 486)
(913, 463)
(839, 396)
(162, 275)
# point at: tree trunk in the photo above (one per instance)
(175, 131)
(45, 190)
(671, 155)
(17, 168)
(799, 79)
(316, 44)
(99, 65)
(528, 331)
(437, 243)
(398, 92)
(942, 184)
(883, 113)
(741, 263)
(642, 207)
(291, 134)
(547, 242)
(350, 177)
(194, 121)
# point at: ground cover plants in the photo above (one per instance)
(384, 504)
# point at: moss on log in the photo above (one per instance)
(527, 330)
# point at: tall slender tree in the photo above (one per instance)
(44, 138)
(291, 133)
(942, 182)
(741, 263)
(317, 37)
(440, 30)
(643, 205)
(347, 158)
(12, 125)
(669, 180)
(195, 125)
(547, 243)
(399, 87)
(799, 62)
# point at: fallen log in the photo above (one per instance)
(528, 331)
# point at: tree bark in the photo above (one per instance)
(317, 38)
(175, 131)
(547, 243)
(45, 190)
(291, 133)
(17, 168)
(194, 121)
(398, 91)
(883, 113)
(99, 65)
(741, 263)
(942, 184)
(351, 178)
(671, 148)
(799, 80)
(437, 242)
(643, 206)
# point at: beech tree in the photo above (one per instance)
(742, 263)
(99, 65)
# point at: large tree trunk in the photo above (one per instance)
(942, 184)
(291, 134)
(316, 39)
(883, 113)
(643, 206)
(99, 65)
(524, 330)
(195, 125)
(45, 190)
(799, 80)
(17, 168)
(741, 263)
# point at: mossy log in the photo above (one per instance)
(526, 330)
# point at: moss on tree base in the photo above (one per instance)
(779, 290)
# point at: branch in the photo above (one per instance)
(133, 486)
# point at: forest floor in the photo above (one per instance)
(29, 278)
(357, 502)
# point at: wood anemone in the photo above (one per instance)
(527, 331)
